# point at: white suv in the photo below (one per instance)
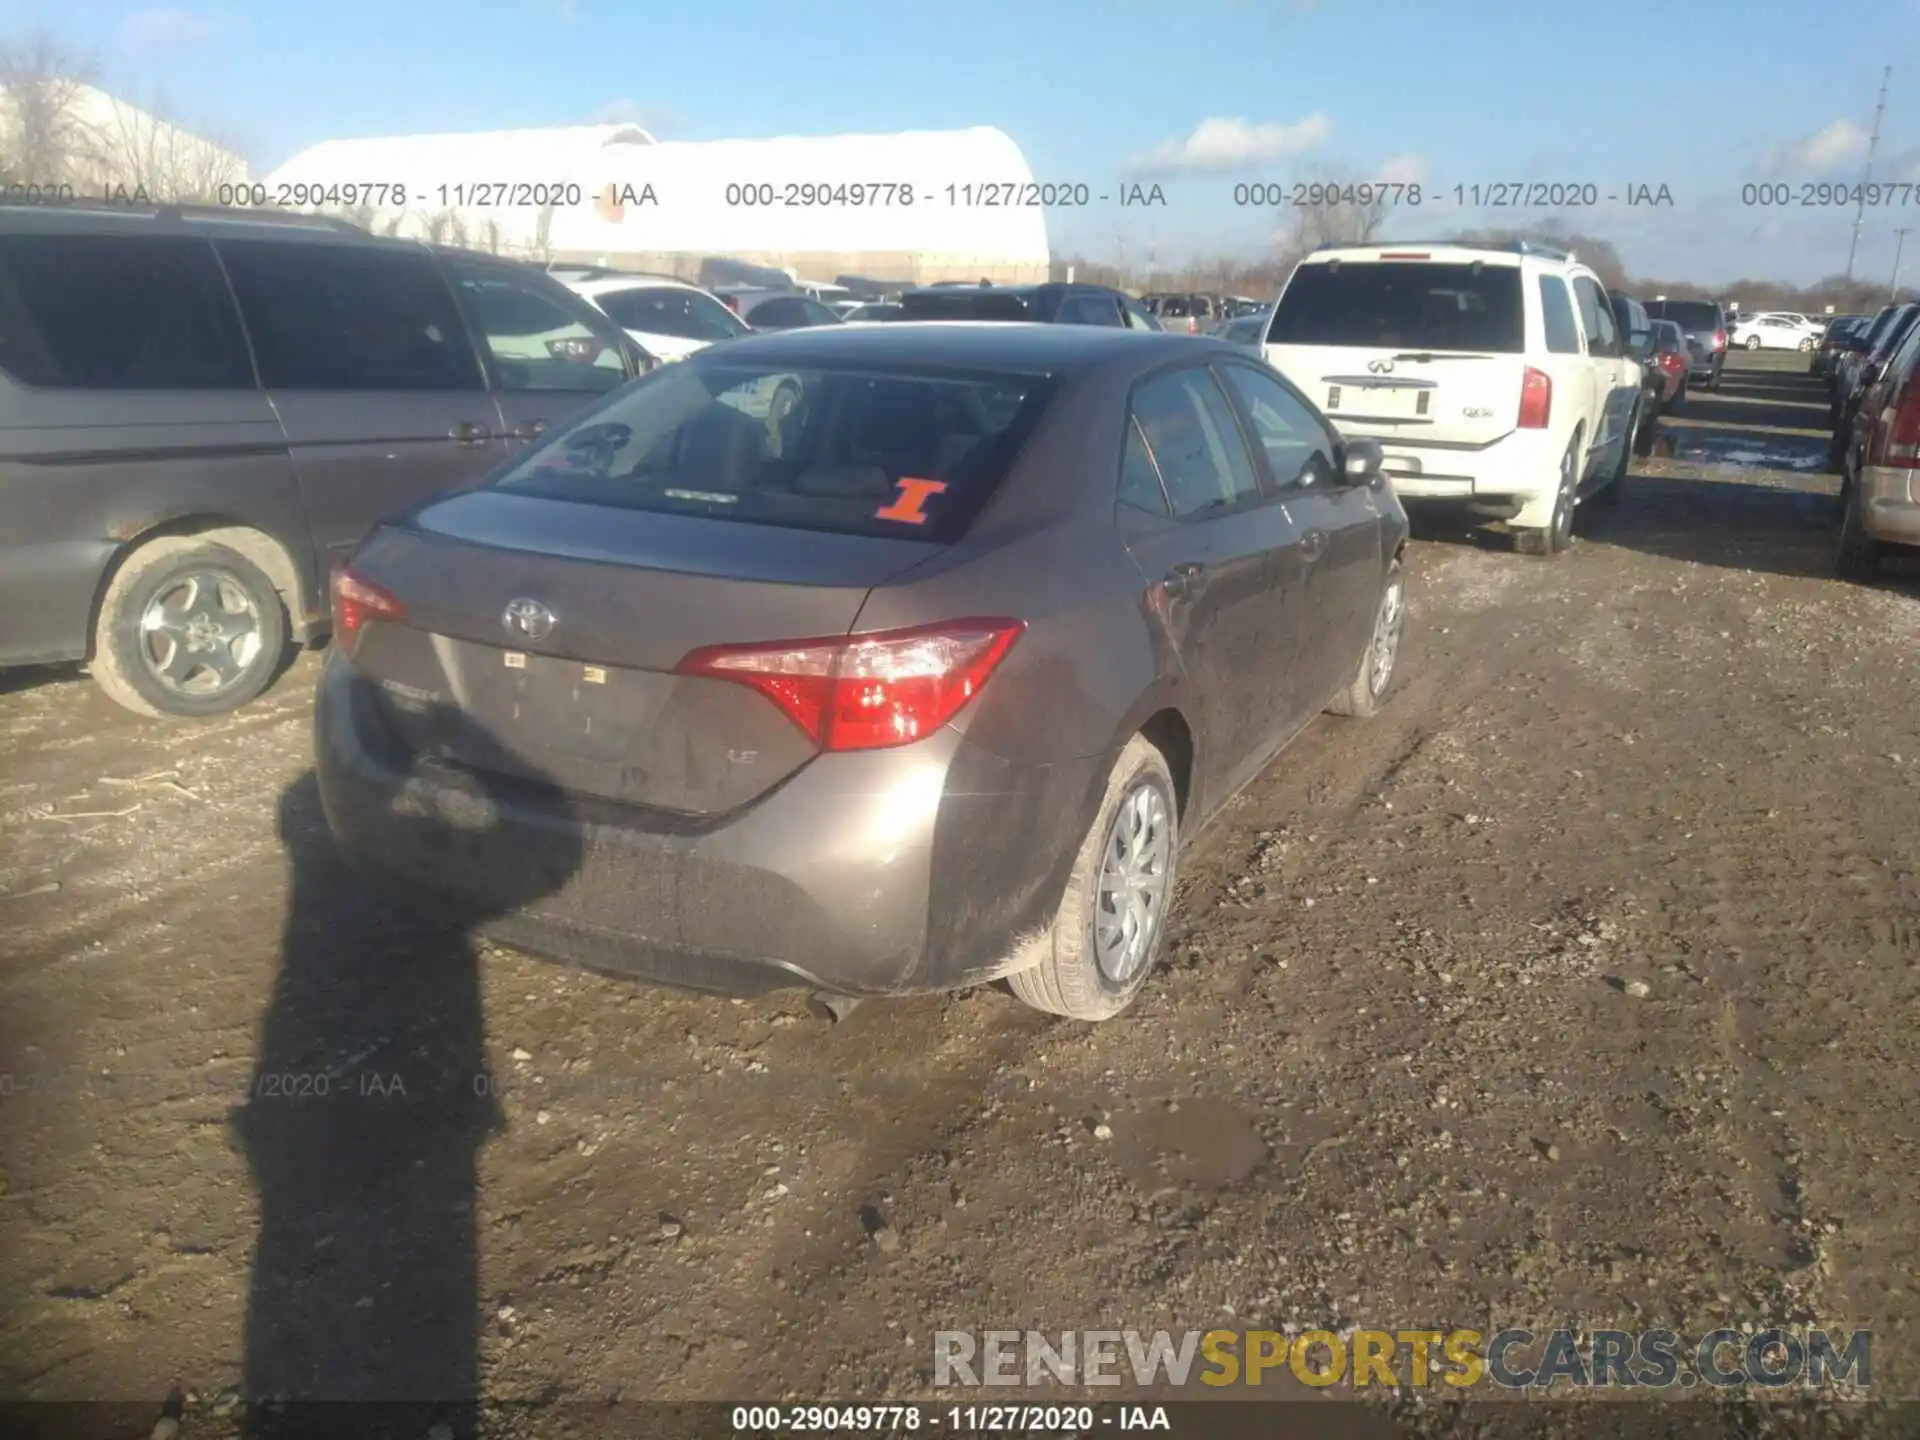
(1493, 376)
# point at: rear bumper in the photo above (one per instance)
(1890, 505)
(883, 873)
(46, 598)
(1516, 474)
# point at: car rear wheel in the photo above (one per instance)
(1367, 691)
(188, 629)
(1556, 537)
(1106, 935)
(1859, 554)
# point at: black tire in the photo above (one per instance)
(1069, 978)
(1857, 556)
(232, 638)
(1556, 537)
(1372, 680)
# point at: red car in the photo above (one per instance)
(1663, 380)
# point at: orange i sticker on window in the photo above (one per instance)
(910, 506)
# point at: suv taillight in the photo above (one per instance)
(356, 600)
(868, 692)
(1719, 339)
(1902, 450)
(1536, 399)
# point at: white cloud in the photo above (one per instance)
(1222, 144)
(155, 29)
(1828, 148)
(1406, 169)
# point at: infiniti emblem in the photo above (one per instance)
(1380, 367)
(528, 619)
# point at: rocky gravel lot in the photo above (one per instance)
(1578, 988)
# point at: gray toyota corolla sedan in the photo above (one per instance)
(916, 683)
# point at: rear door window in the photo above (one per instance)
(1195, 442)
(907, 454)
(1403, 305)
(110, 312)
(327, 317)
(1556, 314)
(537, 341)
(1140, 485)
(668, 310)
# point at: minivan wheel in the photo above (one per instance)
(1367, 691)
(188, 629)
(1107, 933)
(1556, 537)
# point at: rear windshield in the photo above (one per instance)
(1403, 306)
(1693, 315)
(966, 304)
(669, 310)
(901, 453)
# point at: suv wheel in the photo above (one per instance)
(1367, 691)
(188, 629)
(1556, 537)
(1858, 555)
(1107, 932)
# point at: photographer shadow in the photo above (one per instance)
(370, 1102)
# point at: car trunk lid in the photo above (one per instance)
(541, 640)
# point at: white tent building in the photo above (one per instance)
(892, 207)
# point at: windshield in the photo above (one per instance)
(1403, 306)
(669, 310)
(905, 453)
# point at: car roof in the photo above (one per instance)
(966, 344)
(1442, 252)
(611, 285)
(202, 221)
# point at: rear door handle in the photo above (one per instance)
(1185, 581)
(1313, 544)
(469, 432)
(532, 430)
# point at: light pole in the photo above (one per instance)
(1900, 243)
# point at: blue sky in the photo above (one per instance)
(1701, 97)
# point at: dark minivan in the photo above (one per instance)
(1704, 324)
(199, 407)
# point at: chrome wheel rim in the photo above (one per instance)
(1136, 867)
(200, 633)
(1386, 638)
(1563, 508)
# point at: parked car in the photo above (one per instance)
(1022, 609)
(200, 406)
(1247, 330)
(1864, 374)
(1193, 314)
(1848, 363)
(1880, 486)
(1636, 333)
(1774, 331)
(1495, 376)
(872, 312)
(775, 309)
(1839, 333)
(669, 318)
(1049, 304)
(1704, 324)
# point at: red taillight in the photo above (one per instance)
(1671, 361)
(1536, 399)
(1902, 450)
(356, 600)
(1719, 339)
(867, 692)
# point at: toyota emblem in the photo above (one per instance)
(1380, 367)
(528, 619)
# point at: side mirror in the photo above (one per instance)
(1361, 460)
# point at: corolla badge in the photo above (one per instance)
(528, 619)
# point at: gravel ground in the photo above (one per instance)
(1575, 989)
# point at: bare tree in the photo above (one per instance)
(1354, 212)
(142, 149)
(44, 138)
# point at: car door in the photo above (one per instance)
(545, 356)
(1612, 382)
(379, 390)
(1212, 555)
(1339, 552)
